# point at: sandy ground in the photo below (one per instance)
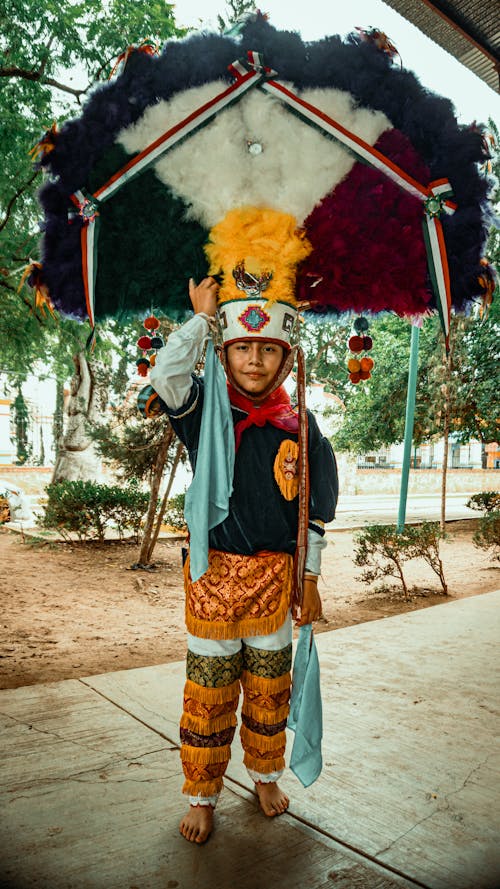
(70, 610)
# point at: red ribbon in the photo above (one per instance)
(276, 409)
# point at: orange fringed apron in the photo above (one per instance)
(239, 595)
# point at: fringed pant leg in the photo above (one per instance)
(266, 681)
(209, 717)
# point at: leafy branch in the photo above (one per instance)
(38, 77)
(20, 191)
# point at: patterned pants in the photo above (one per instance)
(215, 672)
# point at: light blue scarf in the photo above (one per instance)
(207, 500)
(306, 713)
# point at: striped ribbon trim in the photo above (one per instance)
(435, 196)
(439, 271)
(303, 465)
(310, 114)
(87, 204)
(254, 62)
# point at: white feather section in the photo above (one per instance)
(214, 172)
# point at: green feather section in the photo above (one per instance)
(147, 250)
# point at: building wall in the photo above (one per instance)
(7, 449)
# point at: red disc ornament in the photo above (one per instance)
(367, 343)
(151, 323)
(366, 363)
(144, 342)
(356, 343)
(355, 377)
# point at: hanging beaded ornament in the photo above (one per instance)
(147, 400)
(360, 368)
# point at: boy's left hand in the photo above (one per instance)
(311, 603)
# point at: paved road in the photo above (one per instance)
(358, 509)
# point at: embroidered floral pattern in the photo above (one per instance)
(214, 672)
(198, 772)
(268, 701)
(268, 664)
(208, 711)
(286, 470)
(239, 595)
(265, 754)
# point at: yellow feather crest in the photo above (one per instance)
(265, 241)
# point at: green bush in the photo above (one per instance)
(424, 544)
(382, 550)
(487, 535)
(485, 501)
(87, 508)
(174, 513)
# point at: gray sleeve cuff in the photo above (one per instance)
(315, 544)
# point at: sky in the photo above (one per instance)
(313, 19)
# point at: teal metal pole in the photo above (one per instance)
(409, 422)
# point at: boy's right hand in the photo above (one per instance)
(203, 296)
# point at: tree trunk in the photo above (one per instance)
(163, 505)
(156, 477)
(399, 569)
(484, 456)
(58, 421)
(77, 458)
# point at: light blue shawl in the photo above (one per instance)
(207, 500)
(306, 713)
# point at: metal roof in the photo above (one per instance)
(468, 29)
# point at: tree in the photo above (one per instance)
(21, 424)
(478, 388)
(235, 12)
(457, 390)
(144, 450)
(42, 54)
(325, 348)
(375, 409)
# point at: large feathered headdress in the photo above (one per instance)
(362, 182)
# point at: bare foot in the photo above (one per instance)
(196, 826)
(272, 800)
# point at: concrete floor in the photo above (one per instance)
(409, 794)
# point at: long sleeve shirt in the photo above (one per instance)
(260, 518)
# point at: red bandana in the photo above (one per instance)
(276, 409)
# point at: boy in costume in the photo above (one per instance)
(239, 610)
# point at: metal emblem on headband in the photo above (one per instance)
(252, 285)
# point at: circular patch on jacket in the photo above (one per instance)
(286, 469)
